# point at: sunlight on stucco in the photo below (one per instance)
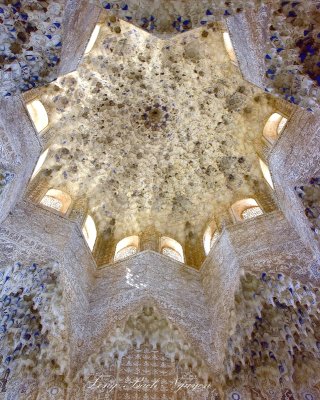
(38, 114)
(93, 38)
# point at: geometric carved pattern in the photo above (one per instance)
(292, 43)
(251, 212)
(152, 373)
(167, 251)
(151, 359)
(126, 252)
(51, 202)
(144, 374)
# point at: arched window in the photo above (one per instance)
(93, 38)
(38, 114)
(171, 248)
(56, 199)
(40, 162)
(266, 173)
(229, 48)
(210, 236)
(89, 231)
(274, 127)
(245, 209)
(126, 247)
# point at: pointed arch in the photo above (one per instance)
(89, 231)
(245, 209)
(266, 173)
(170, 336)
(127, 247)
(93, 39)
(171, 248)
(274, 127)
(40, 162)
(38, 114)
(211, 234)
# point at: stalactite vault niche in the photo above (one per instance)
(147, 359)
(33, 348)
(5, 178)
(275, 340)
(310, 195)
(30, 43)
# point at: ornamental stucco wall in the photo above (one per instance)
(19, 151)
(295, 159)
(149, 277)
(79, 20)
(34, 234)
(220, 274)
(193, 301)
(248, 33)
(199, 304)
(269, 244)
(266, 244)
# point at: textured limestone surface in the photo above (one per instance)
(154, 130)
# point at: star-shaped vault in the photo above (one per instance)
(155, 131)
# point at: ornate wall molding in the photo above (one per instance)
(294, 160)
(19, 150)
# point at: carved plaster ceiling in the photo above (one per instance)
(165, 18)
(155, 131)
(32, 36)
